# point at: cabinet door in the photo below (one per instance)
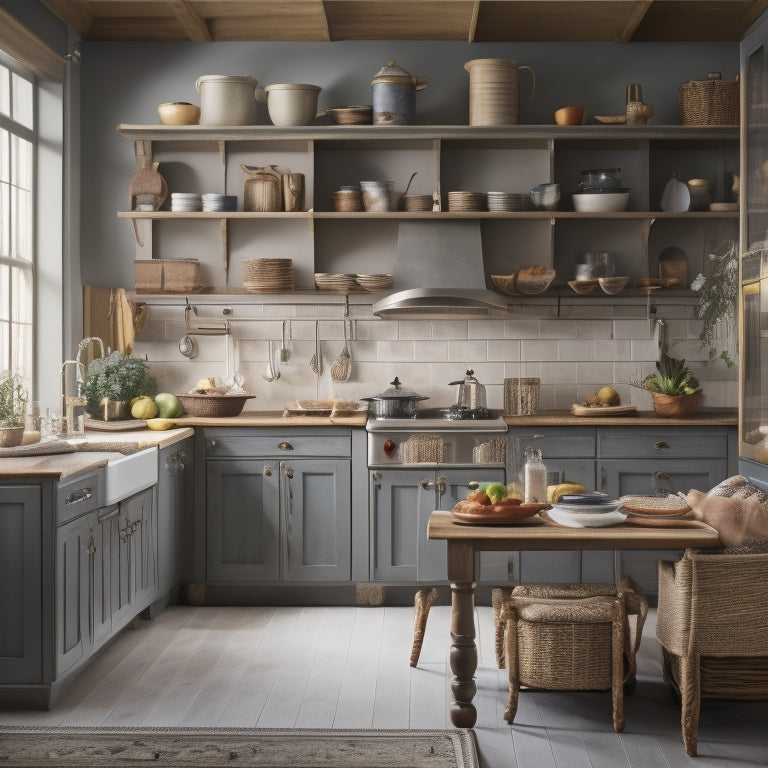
(118, 535)
(139, 512)
(72, 593)
(641, 476)
(317, 515)
(173, 480)
(242, 520)
(21, 600)
(401, 502)
(100, 546)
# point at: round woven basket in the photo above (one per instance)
(10, 437)
(213, 405)
(676, 406)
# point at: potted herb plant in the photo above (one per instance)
(13, 407)
(675, 390)
(111, 383)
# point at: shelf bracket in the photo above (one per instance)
(137, 233)
(224, 245)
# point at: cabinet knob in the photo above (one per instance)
(285, 446)
(426, 484)
(288, 472)
(91, 545)
(211, 443)
(473, 485)
(442, 486)
(377, 479)
(267, 472)
(660, 444)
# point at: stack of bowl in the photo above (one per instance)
(348, 198)
(601, 191)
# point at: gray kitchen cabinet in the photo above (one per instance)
(277, 505)
(138, 528)
(25, 512)
(401, 501)
(100, 547)
(174, 490)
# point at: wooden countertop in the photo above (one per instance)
(712, 417)
(273, 419)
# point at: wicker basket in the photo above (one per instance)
(521, 396)
(166, 275)
(709, 102)
(213, 405)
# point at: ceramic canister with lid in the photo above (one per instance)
(494, 95)
(227, 99)
(394, 95)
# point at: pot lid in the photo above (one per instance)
(468, 379)
(392, 73)
(397, 392)
(227, 79)
(292, 87)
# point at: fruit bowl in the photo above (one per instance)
(534, 280)
(506, 283)
(600, 202)
(584, 287)
(213, 405)
(613, 285)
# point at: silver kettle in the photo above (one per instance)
(471, 392)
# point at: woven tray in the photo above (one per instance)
(662, 506)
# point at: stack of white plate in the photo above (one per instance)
(589, 510)
(214, 202)
(374, 282)
(466, 201)
(268, 275)
(186, 201)
(506, 201)
(338, 282)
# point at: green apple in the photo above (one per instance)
(496, 491)
(168, 405)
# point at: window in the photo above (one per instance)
(18, 141)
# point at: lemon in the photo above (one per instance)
(160, 424)
(608, 396)
(143, 408)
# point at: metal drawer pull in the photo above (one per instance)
(285, 446)
(473, 485)
(288, 472)
(657, 446)
(426, 485)
(78, 496)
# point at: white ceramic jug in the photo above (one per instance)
(227, 99)
(494, 95)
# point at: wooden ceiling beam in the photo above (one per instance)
(194, 24)
(27, 48)
(73, 13)
(634, 21)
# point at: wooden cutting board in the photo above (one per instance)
(596, 413)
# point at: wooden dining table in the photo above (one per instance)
(464, 541)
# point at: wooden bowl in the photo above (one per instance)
(506, 283)
(571, 115)
(179, 113)
(534, 280)
(613, 285)
(213, 405)
(584, 287)
(356, 115)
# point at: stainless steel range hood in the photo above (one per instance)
(440, 272)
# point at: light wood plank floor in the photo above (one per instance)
(348, 668)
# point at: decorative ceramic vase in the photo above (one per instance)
(148, 188)
(676, 406)
(10, 437)
(114, 410)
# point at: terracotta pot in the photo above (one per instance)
(676, 406)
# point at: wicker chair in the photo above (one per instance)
(711, 623)
(568, 637)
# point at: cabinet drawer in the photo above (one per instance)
(279, 444)
(686, 443)
(77, 496)
(569, 442)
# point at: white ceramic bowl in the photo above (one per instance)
(290, 103)
(600, 202)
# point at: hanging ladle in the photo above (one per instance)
(285, 353)
(407, 187)
(270, 375)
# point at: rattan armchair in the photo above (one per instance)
(711, 623)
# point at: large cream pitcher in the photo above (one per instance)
(494, 95)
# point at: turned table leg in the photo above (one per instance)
(461, 564)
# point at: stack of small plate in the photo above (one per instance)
(587, 510)
(338, 282)
(214, 202)
(466, 201)
(348, 199)
(186, 201)
(374, 282)
(268, 275)
(506, 201)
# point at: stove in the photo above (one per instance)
(438, 436)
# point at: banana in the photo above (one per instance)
(160, 424)
(554, 492)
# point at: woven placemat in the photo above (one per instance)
(38, 449)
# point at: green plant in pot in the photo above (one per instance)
(13, 408)
(116, 378)
(674, 388)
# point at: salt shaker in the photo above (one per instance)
(535, 477)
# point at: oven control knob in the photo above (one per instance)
(389, 447)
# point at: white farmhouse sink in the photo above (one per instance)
(126, 475)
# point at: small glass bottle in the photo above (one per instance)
(535, 477)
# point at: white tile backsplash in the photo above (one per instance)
(572, 357)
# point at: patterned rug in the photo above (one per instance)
(237, 747)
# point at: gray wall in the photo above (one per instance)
(124, 83)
